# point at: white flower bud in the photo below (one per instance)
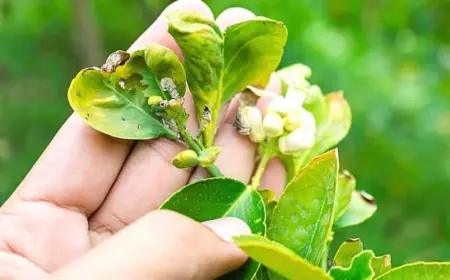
(257, 134)
(250, 121)
(292, 121)
(251, 117)
(295, 98)
(299, 118)
(278, 105)
(273, 125)
(308, 120)
(298, 140)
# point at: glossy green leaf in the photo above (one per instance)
(381, 265)
(222, 197)
(269, 198)
(362, 206)
(359, 269)
(278, 258)
(335, 126)
(347, 251)
(345, 187)
(113, 99)
(303, 217)
(201, 43)
(419, 271)
(253, 50)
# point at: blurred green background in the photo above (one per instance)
(391, 58)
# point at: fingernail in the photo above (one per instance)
(227, 228)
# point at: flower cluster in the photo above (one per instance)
(284, 119)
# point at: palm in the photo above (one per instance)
(87, 186)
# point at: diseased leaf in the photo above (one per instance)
(345, 187)
(253, 50)
(201, 43)
(279, 259)
(113, 99)
(381, 265)
(222, 197)
(419, 271)
(335, 126)
(362, 206)
(347, 251)
(359, 269)
(303, 217)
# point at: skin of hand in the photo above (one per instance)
(88, 208)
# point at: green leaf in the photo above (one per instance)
(381, 265)
(345, 187)
(335, 126)
(222, 197)
(347, 251)
(419, 271)
(303, 217)
(114, 100)
(269, 198)
(362, 206)
(278, 258)
(359, 269)
(253, 50)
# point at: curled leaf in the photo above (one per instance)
(347, 251)
(362, 206)
(359, 269)
(345, 187)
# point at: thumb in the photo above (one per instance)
(163, 245)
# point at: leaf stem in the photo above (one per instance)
(198, 147)
(268, 153)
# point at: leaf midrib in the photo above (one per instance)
(236, 202)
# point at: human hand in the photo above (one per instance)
(64, 219)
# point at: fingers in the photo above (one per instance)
(75, 171)
(149, 177)
(79, 166)
(163, 245)
(274, 177)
